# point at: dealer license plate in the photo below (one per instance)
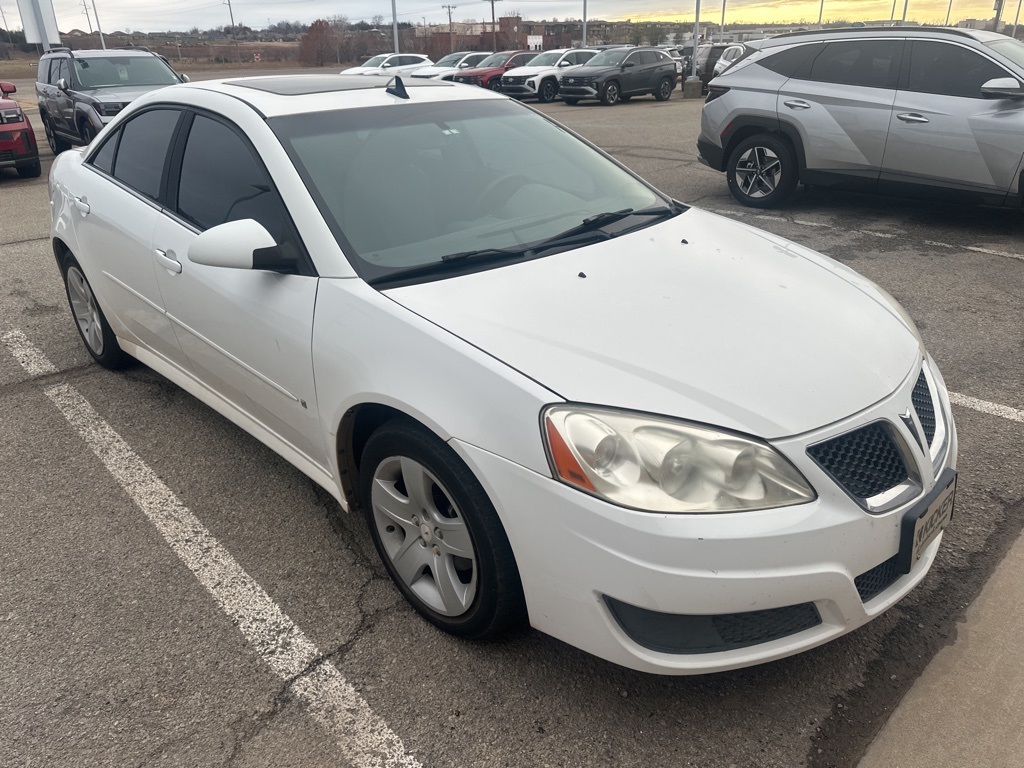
(925, 521)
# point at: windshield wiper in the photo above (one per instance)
(594, 224)
(485, 254)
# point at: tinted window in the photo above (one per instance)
(44, 71)
(62, 72)
(222, 180)
(950, 70)
(583, 56)
(522, 58)
(143, 149)
(104, 158)
(870, 63)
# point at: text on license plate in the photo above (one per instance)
(921, 526)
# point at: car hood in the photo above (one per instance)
(700, 317)
(529, 71)
(435, 71)
(121, 93)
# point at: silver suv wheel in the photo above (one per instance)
(761, 171)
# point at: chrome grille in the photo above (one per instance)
(866, 461)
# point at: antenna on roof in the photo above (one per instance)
(397, 88)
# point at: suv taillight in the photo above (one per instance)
(714, 91)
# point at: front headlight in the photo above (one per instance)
(658, 464)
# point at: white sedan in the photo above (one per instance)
(390, 64)
(556, 395)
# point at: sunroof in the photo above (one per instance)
(303, 85)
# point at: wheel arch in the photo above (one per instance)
(741, 129)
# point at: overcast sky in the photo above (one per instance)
(160, 15)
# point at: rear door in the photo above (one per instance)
(839, 103)
(944, 132)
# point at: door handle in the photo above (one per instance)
(80, 203)
(797, 104)
(168, 262)
(911, 117)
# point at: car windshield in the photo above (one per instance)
(451, 60)
(495, 60)
(1010, 48)
(107, 71)
(611, 58)
(411, 186)
(376, 61)
(548, 59)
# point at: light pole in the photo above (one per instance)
(6, 28)
(905, 4)
(451, 26)
(696, 40)
(584, 23)
(821, 12)
(721, 28)
(948, 11)
(99, 29)
(394, 23)
(1016, 18)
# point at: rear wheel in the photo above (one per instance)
(610, 94)
(88, 132)
(762, 171)
(92, 325)
(438, 534)
(548, 91)
(664, 91)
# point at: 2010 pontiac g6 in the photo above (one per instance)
(557, 395)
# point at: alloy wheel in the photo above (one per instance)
(424, 535)
(85, 309)
(758, 172)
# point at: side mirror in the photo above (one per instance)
(62, 84)
(628, 64)
(564, 63)
(464, 65)
(184, 79)
(244, 244)
(1002, 87)
(385, 65)
(7, 88)
(511, 65)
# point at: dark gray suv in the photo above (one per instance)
(80, 91)
(892, 110)
(619, 74)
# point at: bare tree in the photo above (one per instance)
(319, 46)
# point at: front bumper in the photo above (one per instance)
(578, 91)
(581, 559)
(518, 90)
(18, 148)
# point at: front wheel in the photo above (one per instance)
(571, 102)
(30, 171)
(88, 132)
(92, 325)
(438, 534)
(610, 94)
(57, 144)
(495, 84)
(548, 91)
(664, 92)
(761, 171)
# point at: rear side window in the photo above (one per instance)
(104, 158)
(949, 70)
(142, 150)
(866, 63)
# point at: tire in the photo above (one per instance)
(762, 172)
(30, 171)
(57, 144)
(571, 102)
(88, 132)
(547, 92)
(495, 84)
(664, 90)
(610, 94)
(438, 534)
(92, 326)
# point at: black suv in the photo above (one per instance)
(618, 75)
(80, 91)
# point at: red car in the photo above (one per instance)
(488, 73)
(17, 140)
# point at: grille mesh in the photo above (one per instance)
(865, 462)
(922, 400)
(739, 630)
(6, 154)
(878, 579)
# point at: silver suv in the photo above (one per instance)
(80, 91)
(892, 110)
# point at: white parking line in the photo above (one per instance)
(993, 409)
(362, 737)
(977, 249)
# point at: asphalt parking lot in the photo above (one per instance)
(119, 649)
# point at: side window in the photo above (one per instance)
(870, 63)
(584, 56)
(522, 58)
(222, 180)
(950, 70)
(43, 75)
(63, 71)
(790, 61)
(104, 157)
(142, 151)
(634, 58)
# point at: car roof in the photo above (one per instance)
(277, 95)
(98, 53)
